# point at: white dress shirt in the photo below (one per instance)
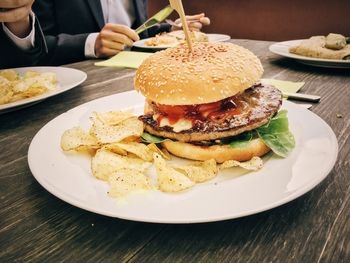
(25, 43)
(116, 12)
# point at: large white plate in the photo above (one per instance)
(230, 195)
(282, 48)
(67, 78)
(214, 38)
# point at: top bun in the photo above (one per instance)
(212, 72)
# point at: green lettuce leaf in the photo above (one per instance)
(276, 134)
(239, 141)
(148, 138)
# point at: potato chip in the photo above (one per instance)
(200, 171)
(169, 179)
(139, 149)
(30, 92)
(105, 163)
(113, 147)
(132, 139)
(75, 138)
(163, 152)
(4, 81)
(9, 74)
(49, 76)
(125, 181)
(111, 134)
(112, 117)
(253, 164)
(5, 95)
(31, 74)
(6, 92)
(166, 153)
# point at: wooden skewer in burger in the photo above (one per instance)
(178, 7)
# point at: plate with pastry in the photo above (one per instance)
(331, 51)
(174, 38)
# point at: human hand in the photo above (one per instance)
(195, 22)
(15, 14)
(113, 38)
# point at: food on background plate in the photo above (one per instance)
(335, 41)
(332, 46)
(174, 38)
(14, 87)
(209, 104)
(120, 157)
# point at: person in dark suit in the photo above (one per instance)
(80, 29)
(21, 40)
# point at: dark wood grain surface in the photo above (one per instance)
(35, 226)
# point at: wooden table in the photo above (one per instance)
(35, 226)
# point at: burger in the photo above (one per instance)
(208, 103)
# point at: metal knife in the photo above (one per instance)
(157, 18)
(301, 96)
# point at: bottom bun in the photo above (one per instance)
(220, 153)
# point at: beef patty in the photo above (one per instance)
(255, 105)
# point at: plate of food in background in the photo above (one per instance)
(331, 51)
(174, 38)
(22, 87)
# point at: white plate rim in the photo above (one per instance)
(281, 48)
(140, 43)
(13, 105)
(301, 191)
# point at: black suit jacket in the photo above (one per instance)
(67, 24)
(12, 56)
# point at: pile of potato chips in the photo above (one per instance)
(120, 158)
(14, 87)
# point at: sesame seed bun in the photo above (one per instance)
(220, 153)
(212, 72)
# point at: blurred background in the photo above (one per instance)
(269, 19)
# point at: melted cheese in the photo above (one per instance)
(180, 125)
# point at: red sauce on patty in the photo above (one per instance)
(198, 112)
